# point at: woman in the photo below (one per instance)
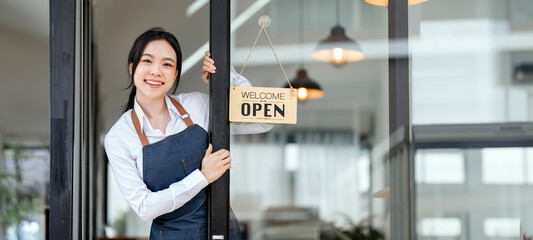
(159, 149)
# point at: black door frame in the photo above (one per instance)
(62, 78)
(401, 169)
(73, 113)
(219, 132)
(71, 121)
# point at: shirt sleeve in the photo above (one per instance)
(235, 77)
(245, 128)
(147, 204)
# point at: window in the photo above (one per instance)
(24, 183)
(501, 227)
(503, 165)
(440, 227)
(440, 166)
(529, 165)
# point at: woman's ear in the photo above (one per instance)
(131, 68)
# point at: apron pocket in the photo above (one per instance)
(185, 166)
(193, 162)
(191, 234)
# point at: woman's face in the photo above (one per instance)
(156, 71)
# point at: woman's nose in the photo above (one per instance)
(155, 70)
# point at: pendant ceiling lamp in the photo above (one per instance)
(385, 3)
(337, 48)
(307, 88)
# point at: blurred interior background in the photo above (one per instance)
(471, 62)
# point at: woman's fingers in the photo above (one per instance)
(208, 150)
(208, 62)
(205, 77)
(208, 67)
(221, 154)
(205, 74)
(215, 164)
(209, 59)
(226, 162)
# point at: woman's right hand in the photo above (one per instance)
(208, 67)
(215, 164)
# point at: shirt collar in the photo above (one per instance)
(171, 108)
(142, 117)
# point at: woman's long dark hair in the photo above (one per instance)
(136, 52)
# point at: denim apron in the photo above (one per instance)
(171, 160)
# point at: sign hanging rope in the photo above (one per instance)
(264, 20)
(263, 105)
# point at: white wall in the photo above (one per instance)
(24, 95)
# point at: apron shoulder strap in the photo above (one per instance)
(142, 136)
(144, 140)
(184, 115)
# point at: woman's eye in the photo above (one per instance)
(167, 65)
(147, 61)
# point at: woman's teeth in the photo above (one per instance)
(154, 83)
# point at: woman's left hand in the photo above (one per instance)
(208, 67)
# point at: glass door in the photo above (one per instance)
(473, 181)
(471, 107)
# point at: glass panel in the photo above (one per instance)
(301, 184)
(490, 202)
(440, 227)
(444, 167)
(24, 118)
(501, 227)
(296, 181)
(363, 170)
(529, 165)
(312, 179)
(471, 61)
(24, 183)
(503, 165)
(116, 25)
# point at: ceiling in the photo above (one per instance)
(356, 95)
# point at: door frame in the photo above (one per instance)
(73, 171)
(71, 120)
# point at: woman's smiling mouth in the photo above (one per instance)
(153, 83)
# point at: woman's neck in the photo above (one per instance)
(152, 108)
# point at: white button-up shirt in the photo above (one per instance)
(124, 151)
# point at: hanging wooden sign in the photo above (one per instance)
(263, 105)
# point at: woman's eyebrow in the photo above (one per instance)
(167, 58)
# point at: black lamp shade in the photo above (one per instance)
(305, 85)
(338, 49)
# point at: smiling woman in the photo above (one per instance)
(163, 164)
(154, 62)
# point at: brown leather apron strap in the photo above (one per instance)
(184, 115)
(142, 136)
(144, 140)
